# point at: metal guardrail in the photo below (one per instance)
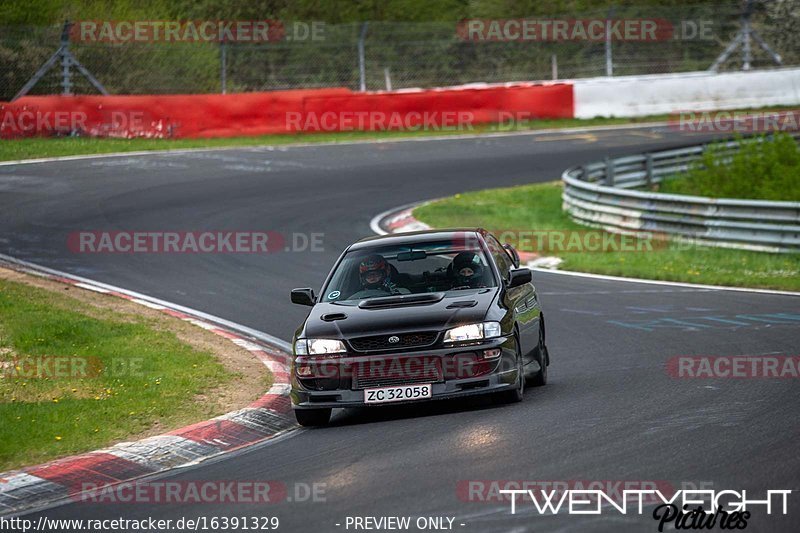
(601, 194)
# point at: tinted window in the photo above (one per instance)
(500, 256)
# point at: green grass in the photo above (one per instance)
(529, 207)
(136, 377)
(768, 170)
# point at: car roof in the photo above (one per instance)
(416, 237)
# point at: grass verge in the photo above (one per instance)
(81, 371)
(511, 213)
(36, 147)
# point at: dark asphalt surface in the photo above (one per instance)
(610, 411)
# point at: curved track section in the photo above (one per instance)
(610, 412)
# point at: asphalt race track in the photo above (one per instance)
(610, 411)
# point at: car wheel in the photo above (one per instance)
(312, 417)
(543, 357)
(516, 394)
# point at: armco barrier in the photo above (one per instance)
(302, 111)
(599, 194)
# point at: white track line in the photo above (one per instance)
(667, 283)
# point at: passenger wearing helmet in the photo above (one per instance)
(375, 275)
(467, 271)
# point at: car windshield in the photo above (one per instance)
(383, 271)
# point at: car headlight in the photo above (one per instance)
(318, 346)
(470, 332)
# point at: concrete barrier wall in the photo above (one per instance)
(339, 109)
(636, 96)
(278, 112)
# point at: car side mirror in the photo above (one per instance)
(514, 255)
(519, 276)
(303, 296)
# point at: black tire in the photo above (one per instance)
(312, 417)
(517, 393)
(543, 357)
(540, 379)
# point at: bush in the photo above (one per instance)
(764, 169)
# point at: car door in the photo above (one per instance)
(522, 300)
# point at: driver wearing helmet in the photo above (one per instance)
(467, 271)
(375, 275)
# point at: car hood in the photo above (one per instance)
(434, 311)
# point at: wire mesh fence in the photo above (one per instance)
(404, 55)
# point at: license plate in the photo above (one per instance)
(397, 394)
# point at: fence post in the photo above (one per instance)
(362, 69)
(554, 66)
(223, 65)
(609, 58)
(609, 172)
(648, 166)
(388, 78)
(66, 71)
(747, 55)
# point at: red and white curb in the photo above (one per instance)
(265, 418)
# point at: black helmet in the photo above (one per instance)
(467, 268)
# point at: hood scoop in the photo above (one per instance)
(462, 304)
(402, 300)
(330, 317)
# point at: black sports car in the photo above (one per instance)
(418, 316)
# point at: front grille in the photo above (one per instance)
(388, 372)
(405, 340)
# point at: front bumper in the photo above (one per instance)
(462, 371)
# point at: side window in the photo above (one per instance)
(500, 256)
